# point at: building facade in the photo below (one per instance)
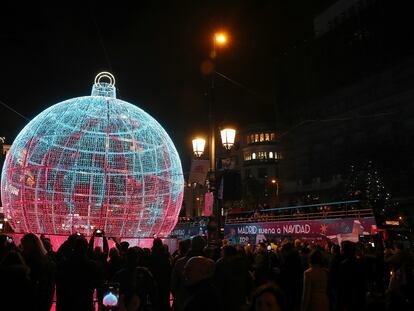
(351, 105)
(260, 157)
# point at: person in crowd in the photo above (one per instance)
(100, 256)
(178, 287)
(3, 246)
(122, 248)
(268, 297)
(97, 253)
(291, 275)
(262, 265)
(298, 245)
(249, 251)
(16, 288)
(213, 252)
(198, 272)
(232, 278)
(333, 286)
(167, 251)
(351, 279)
(48, 247)
(76, 277)
(42, 271)
(137, 289)
(356, 279)
(315, 284)
(146, 257)
(183, 247)
(114, 264)
(304, 257)
(160, 267)
(65, 250)
(401, 284)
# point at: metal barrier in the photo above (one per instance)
(356, 213)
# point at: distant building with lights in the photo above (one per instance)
(351, 103)
(250, 170)
(260, 156)
(193, 202)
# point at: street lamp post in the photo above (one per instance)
(227, 135)
(276, 182)
(219, 40)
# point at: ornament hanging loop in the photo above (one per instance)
(107, 75)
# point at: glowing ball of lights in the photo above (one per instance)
(93, 162)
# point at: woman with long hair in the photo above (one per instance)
(42, 271)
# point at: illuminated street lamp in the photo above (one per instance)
(227, 137)
(220, 38)
(198, 146)
(276, 182)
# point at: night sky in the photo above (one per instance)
(154, 49)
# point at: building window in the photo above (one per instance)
(261, 137)
(248, 139)
(247, 156)
(256, 138)
(254, 155)
(267, 137)
(270, 155)
(252, 138)
(272, 136)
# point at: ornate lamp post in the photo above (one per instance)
(227, 138)
(228, 135)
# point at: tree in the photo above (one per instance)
(365, 183)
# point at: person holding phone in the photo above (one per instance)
(77, 277)
(97, 253)
(137, 288)
(100, 256)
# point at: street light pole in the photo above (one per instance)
(220, 39)
(198, 146)
(212, 137)
(213, 236)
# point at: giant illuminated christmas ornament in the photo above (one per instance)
(93, 162)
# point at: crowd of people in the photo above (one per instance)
(290, 275)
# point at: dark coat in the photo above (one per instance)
(233, 281)
(203, 297)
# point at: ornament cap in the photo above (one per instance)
(105, 89)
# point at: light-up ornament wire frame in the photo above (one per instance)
(93, 162)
